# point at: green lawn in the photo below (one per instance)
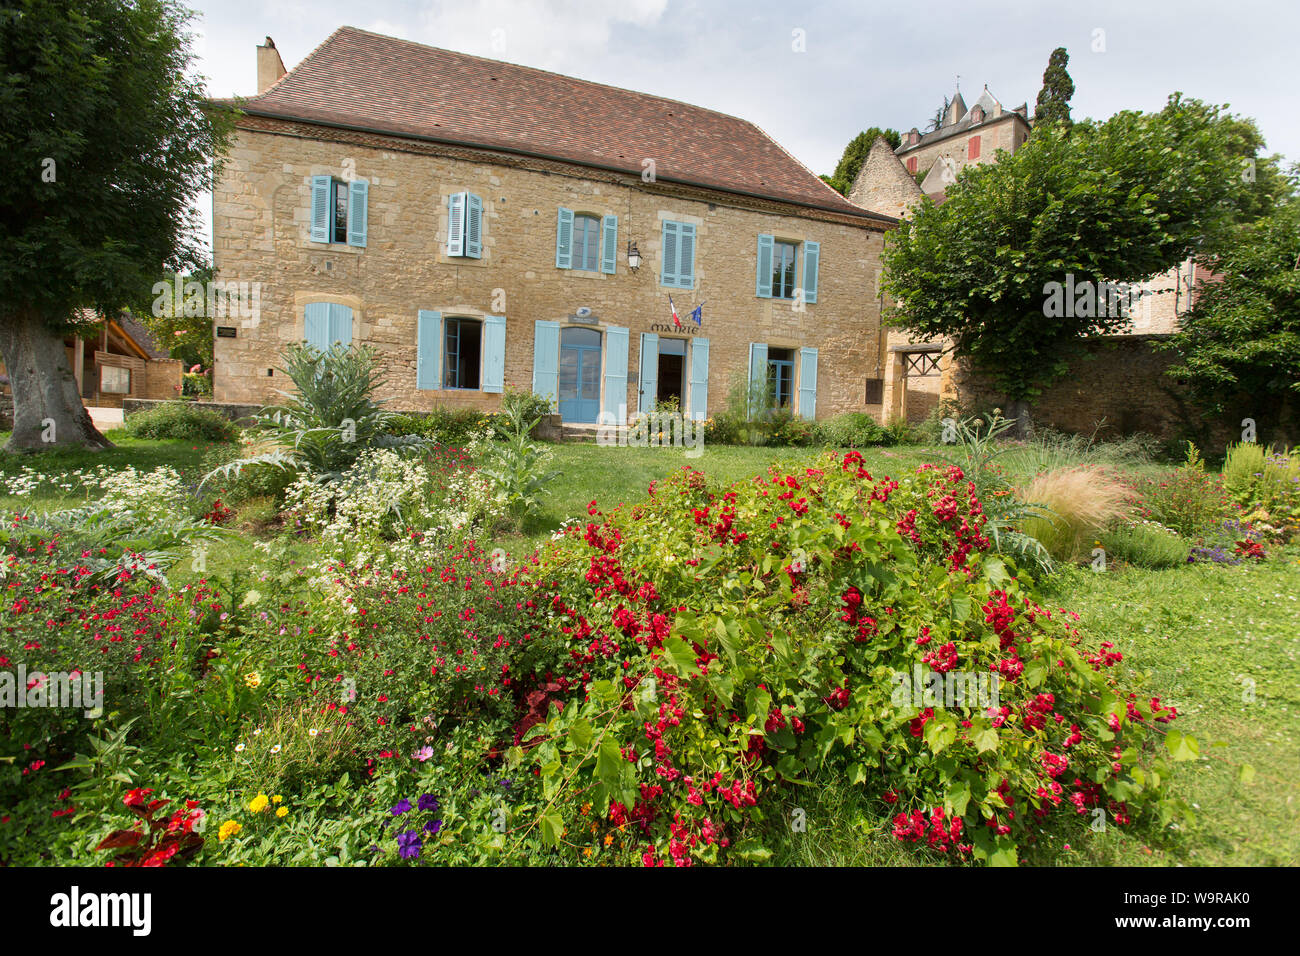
(1199, 633)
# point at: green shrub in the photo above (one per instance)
(849, 430)
(1146, 545)
(181, 420)
(1265, 485)
(899, 431)
(245, 484)
(1186, 500)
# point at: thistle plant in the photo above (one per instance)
(516, 466)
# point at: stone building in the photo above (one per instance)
(486, 226)
(963, 137)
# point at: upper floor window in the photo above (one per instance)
(465, 225)
(678, 255)
(338, 210)
(586, 243)
(778, 269)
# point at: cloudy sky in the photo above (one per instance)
(814, 74)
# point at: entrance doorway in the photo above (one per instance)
(579, 384)
(672, 372)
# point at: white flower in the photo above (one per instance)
(275, 749)
(313, 732)
(239, 748)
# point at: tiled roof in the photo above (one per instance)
(368, 81)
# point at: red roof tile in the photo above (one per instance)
(365, 80)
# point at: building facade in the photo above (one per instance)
(486, 226)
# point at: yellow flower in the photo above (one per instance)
(253, 680)
(282, 811)
(609, 838)
(228, 829)
(587, 852)
(258, 803)
(276, 799)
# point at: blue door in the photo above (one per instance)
(579, 375)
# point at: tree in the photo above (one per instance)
(936, 121)
(855, 154)
(186, 332)
(1239, 347)
(105, 141)
(1112, 202)
(1053, 104)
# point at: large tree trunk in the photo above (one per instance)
(48, 411)
(1018, 412)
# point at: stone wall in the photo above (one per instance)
(162, 379)
(1117, 387)
(1005, 132)
(261, 229)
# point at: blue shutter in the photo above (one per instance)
(669, 251)
(757, 373)
(340, 324)
(615, 375)
(564, 239)
(546, 359)
(609, 245)
(456, 224)
(812, 252)
(808, 383)
(473, 226)
(765, 247)
(686, 255)
(699, 379)
(649, 381)
(358, 193)
(321, 203)
(428, 350)
(316, 325)
(494, 353)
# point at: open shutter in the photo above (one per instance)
(757, 375)
(812, 253)
(564, 239)
(456, 224)
(494, 353)
(669, 247)
(428, 350)
(358, 195)
(473, 226)
(808, 383)
(316, 325)
(340, 327)
(686, 255)
(320, 208)
(699, 379)
(615, 407)
(609, 245)
(546, 359)
(649, 380)
(765, 245)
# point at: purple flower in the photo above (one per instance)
(433, 826)
(408, 845)
(427, 801)
(402, 806)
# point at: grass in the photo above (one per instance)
(1197, 633)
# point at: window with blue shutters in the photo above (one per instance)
(778, 269)
(586, 241)
(678, 247)
(465, 226)
(339, 210)
(325, 323)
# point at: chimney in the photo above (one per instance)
(269, 66)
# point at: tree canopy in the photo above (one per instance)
(855, 154)
(1053, 104)
(1111, 202)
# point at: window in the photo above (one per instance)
(465, 225)
(678, 255)
(780, 376)
(339, 213)
(114, 380)
(911, 165)
(338, 210)
(784, 257)
(973, 148)
(586, 243)
(462, 349)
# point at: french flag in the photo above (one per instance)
(676, 319)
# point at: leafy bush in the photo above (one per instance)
(451, 427)
(1186, 500)
(1265, 485)
(849, 430)
(750, 417)
(724, 646)
(237, 486)
(901, 432)
(516, 466)
(181, 420)
(1078, 501)
(1145, 544)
